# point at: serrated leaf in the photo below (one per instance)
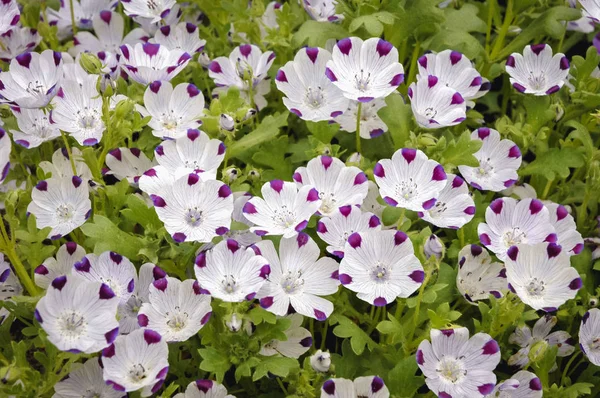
(460, 152)
(105, 236)
(279, 366)
(315, 33)
(267, 130)
(398, 117)
(214, 361)
(555, 162)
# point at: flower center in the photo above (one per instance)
(430, 113)
(229, 284)
(362, 80)
(194, 217)
(315, 97)
(64, 212)
(595, 344)
(177, 320)
(328, 202)
(535, 287)
(88, 118)
(406, 189)
(380, 273)
(137, 373)
(193, 164)
(514, 236)
(292, 282)
(485, 167)
(438, 209)
(72, 324)
(284, 216)
(537, 82)
(35, 87)
(451, 370)
(170, 121)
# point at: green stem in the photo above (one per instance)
(69, 152)
(9, 249)
(418, 307)
(565, 371)
(413, 63)
(499, 43)
(282, 386)
(547, 189)
(401, 219)
(358, 112)
(490, 20)
(73, 24)
(461, 237)
(324, 334)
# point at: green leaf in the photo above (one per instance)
(266, 130)
(279, 366)
(417, 18)
(138, 212)
(272, 154)
(554, 162)
(105, 236)
(316, 34)
(402, 380)
(460, 152)
(358, 337)
(398, 116)
(323, 131)
(214, 361)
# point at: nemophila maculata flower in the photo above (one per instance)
(589, 335)
(35, 127)
(32, 79)
(136, 361)
(193, 152)
(522, 384)
(10, 15)
(156, 181)
(299, 340)
(85, 380)
(526, 338)
(365, 386)
(454, 206)
(433, 247)
(380, 266)
(320, 361)
(149, 62)
(204, 389)
(175, 309)
(372, 203)
(453, 70)
(194, 210)
(62, 204)
(127, 163)
(284, 208)
(566, 230)
(173, 111)
(154, 10)
(231, 272)
(499, 159)
(61, 165)
(17, 41)
(478, 276)
(592, 7)
(337, 184)
(298, 277)
(9, 286)
(410, 180)
(365, 70)
(5, 149)
(62, 264)
(308, 92)
(436, 105)
(371, 125)
(322, 10)
(83, 14)
(78, 111)
(537, 71)
(78, 315)
(510, 222)
(541, 275)
(456, 366)
(184, 36)
(246, 68)
(343, 222)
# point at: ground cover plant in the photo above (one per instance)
(351, 198)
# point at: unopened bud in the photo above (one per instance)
(227, 122)
(321, 361)
(250, 114)
(234, 324)
(326, 151)
(433, 247)
(107, 85)
(355, 158)
(90, 63)
(593, 302)
(254, 175)
(538, 350)
(231, 174)
(123, 109)
(204, 59)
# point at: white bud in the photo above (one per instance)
(203, 59)
(227, 122)
(433, 247)
(320, 361)
(355, 158)
(234, 324)
(593, 302)
(250, 114)
(231, 174)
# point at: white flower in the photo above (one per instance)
(380, 266)
(35, 127)
(284, 209)
(541, 275)
(433, 247)
(522, 384)
(410, 180)
(526, 338)
(299, 340)
(176, 309)
(230, 272)
(204, 389)
(9, 285)
(18, 41)
(365, 70)
(246, 68)
(298, 278)
(173, 111)
(592, 7)
(566, 229)
(343, 222)
(537, 71)
(110, 268)
(60, 203)
(361, 387)
(498, 159)
(78, 315)
(5, 149)
(149, 62)
(510, 222)
(195, 211)
(109, 28)
(454, 206)
(153, 9)
(61, 165)
(151, 26)
(78, 111)
(320, 361)
(337, 184)
(322, 10)
(478, 276)
(127, 163)
(85, 380)
(33, 79)
(585, 24)
(308, 92)
(453, 70)
(183, 36)
(456, 366)
(84, 12)
(66, 257)
(194, 152)
(589, 335)
(436, 105)
(371, 203)
(371, 125)
(156, 181)
(137, 360)
(9, 15)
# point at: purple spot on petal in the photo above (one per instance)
(215, 67)
(520, 88)
(564, 63)
(59, 282)
(161, 284)
(245, 49)
(512, 252)
(428, 204)
(399, 238)
(378, 170)
(312, 53)
(380, 302)
(151, 336)
(431, 81)
(538, 48)
(408, 154)
(438, 173)
(105, 292)
(355, 240)
(510, 61)
(535, 384)
(497, 205)
(345, 279)
(266, 302)
(320, 315)
(418, 276)
(514, 152)
(313, 195)
(457, 99)
(486, 389)
(151, 49)
(345, 45)
(330, 75)
(491, 347)
(377, 384)
(299, 227)
(326, 161)
(179, 237)
(552, 89)
(225, 191)
(576, 284)
(280, 76)
(276, 185)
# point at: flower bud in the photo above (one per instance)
(227, 122)
(326, 151)
(593, 302)
(123, 109)
(107, 85)
(254, 175)
(538, 350)
(321, 361)
(231, 174)
(355, 158)
(433, 247)
(250, 114)
(204, 59)
(90, 63)
(234, 324)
